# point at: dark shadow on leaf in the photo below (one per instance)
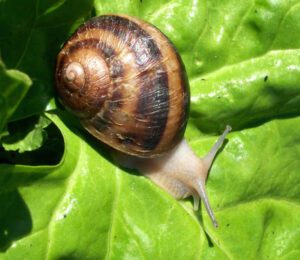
(50, 153)
(238, 122)
(258, 122)
(15, 219)
(209, 241)
(19, 129)
(199, 217)
(104, 150)
(35, 101)
(74, 125)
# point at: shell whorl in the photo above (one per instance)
(74, 75)
(126, 82)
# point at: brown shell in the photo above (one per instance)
(126, 82)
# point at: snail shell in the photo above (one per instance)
(124, 79)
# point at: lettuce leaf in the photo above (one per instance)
(14, 85)
(26, 135)
(243, 63)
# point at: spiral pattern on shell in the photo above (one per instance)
(126, 82)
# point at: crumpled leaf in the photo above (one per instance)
(252, 91)
(242, 59)
(25, 138)
(13, 87)
(31, 34)
(85, 207)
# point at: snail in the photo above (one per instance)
(127, 84)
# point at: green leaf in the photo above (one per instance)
(243, 62)
(13, 87)
(24, 137)
(31, 35)
(85, 207)
(248, 92)
(258, 186)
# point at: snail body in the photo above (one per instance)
(126, 82)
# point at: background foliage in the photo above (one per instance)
(62, 196)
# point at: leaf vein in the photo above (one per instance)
(255, 200)
(69, 186)
(280, 23)
(113, 214)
